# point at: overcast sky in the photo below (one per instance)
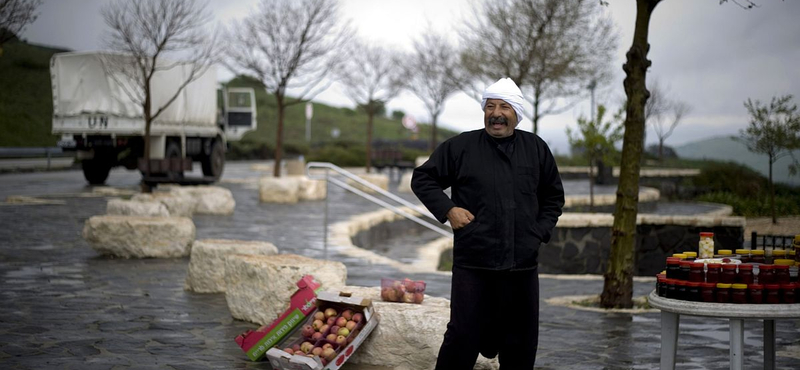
(709, 55)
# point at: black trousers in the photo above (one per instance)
(492, 312)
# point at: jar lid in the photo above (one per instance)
(686, 263)
(714, 265)
(772, 286)
(789, 286)
(708, 285)
(797, 238)
(705, 233)
(778, 252)
(784, 262)
(693, 284)
(698, 265)
(679, 255)
(745, 266)
(781, 267)
(766, 267)
(723, 285)
(661, 277)
(724, 252)
(739, 286)
(742, 251)
(757, 252)
(729, 266)
(756, 286)
(674, 261)
(690, 254)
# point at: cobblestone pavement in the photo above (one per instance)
(65, 307)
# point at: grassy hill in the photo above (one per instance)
(26, 108)
(26, 100)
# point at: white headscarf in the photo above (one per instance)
(505, 89)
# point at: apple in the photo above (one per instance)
(296, 347)
(418, 297)
(335, 329)
(343, 332)
(347, 314)
(328, 353)
(350, 325)
(341, 339)
(306, 347)
(324, 362)
(385, 293)
(341, 321)
(420, 286)
(317, 324)
(408, 297)
(307, 330)
(331, 337)
(316, 351)
(410, 285)
(331, 321)
(319, 315)
(396, 284)
(316, 336)
(289, 351)
(391, 295)
(324, 328)
(358, 317)
(330, 312)
(328, 345)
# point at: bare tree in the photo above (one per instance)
(431, 75)
(667, 123)
(15, 15)
(550, 48)
(371, 77)
(288, 44)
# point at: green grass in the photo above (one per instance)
(26, 103)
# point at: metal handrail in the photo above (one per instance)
(330, 166)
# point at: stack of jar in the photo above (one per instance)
(751, 282)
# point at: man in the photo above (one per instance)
(506, 199)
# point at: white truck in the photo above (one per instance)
(98, 119)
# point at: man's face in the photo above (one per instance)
(499, 118)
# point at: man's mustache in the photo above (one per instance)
(500, 120)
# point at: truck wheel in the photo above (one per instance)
(214, 164)
(95, 171)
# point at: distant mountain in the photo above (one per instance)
(728, 149)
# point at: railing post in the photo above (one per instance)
(325, 217)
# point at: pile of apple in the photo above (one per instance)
(327, 334)
(406, 290)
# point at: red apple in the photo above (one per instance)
(347, 314)
(289, 351)
(331, 321)
(306, 347)
(331, 337)
(317, 324)
(295, 347)
(307, 331)
(358, 317)
(408, 297)
(324, 328)
(341, 339)
(350, 325)
(335, 329)
(341, 322)
(319, 315)
(330, 312)
(420, 286)
(328, 354)
(328, 345)
(316, 351)
(316, 336)
(410, 285)
(418, 297)
(391, 295)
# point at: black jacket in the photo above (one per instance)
(516, 200)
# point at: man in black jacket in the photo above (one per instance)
(506, 196)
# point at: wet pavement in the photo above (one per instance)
(66, 307)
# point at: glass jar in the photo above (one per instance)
(690, 256)
(789, 294)
(772, 293)
(696, 273)
(728, 274)
(739, 293)
(706, 245)
(766, 274)
(744, 255)
(778, 254)
(661, 286)
(757, 256)
(686, 268)
(673, 267)
(693, 291)
(723, 293)
(680, 290)
(781, 274)
(672, 289)
(712, 273)
(707, 291)
(756, 293)
(796, 245)
(745, 275)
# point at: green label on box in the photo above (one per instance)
(275, 335)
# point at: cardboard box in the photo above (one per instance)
(303, 302)
(282, 360)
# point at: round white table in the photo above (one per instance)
(671, 309)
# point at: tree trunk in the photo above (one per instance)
(370, 114)
(276, 171)
(433, 135)
(618, 279)
(148, 120)
(660, 150)
(591, 185)
(536, 112)
(772, 193)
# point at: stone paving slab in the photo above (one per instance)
(66, 307)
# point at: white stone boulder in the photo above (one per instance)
(408, 335)
(178, 203)
(405, 183)
(295, 167)
(312, 189)
(259, 288)
(279, 190)
(133, 208)
(140, 236)
(377, 179)
(206, 272)
(211, 200)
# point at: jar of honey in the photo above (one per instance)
(757, 256)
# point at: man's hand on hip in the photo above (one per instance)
(459, 217)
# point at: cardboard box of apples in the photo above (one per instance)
(329, 336)
(405, 291)
(256, 343)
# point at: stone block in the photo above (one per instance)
(211, 200)
(405, 183)
(133, 208)
(408, 335)
(140, 236)
(279, 189)
(295, 167)
(377, 179)
(178, 203)
(258, 288)
(312, 189)
(206, 272)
